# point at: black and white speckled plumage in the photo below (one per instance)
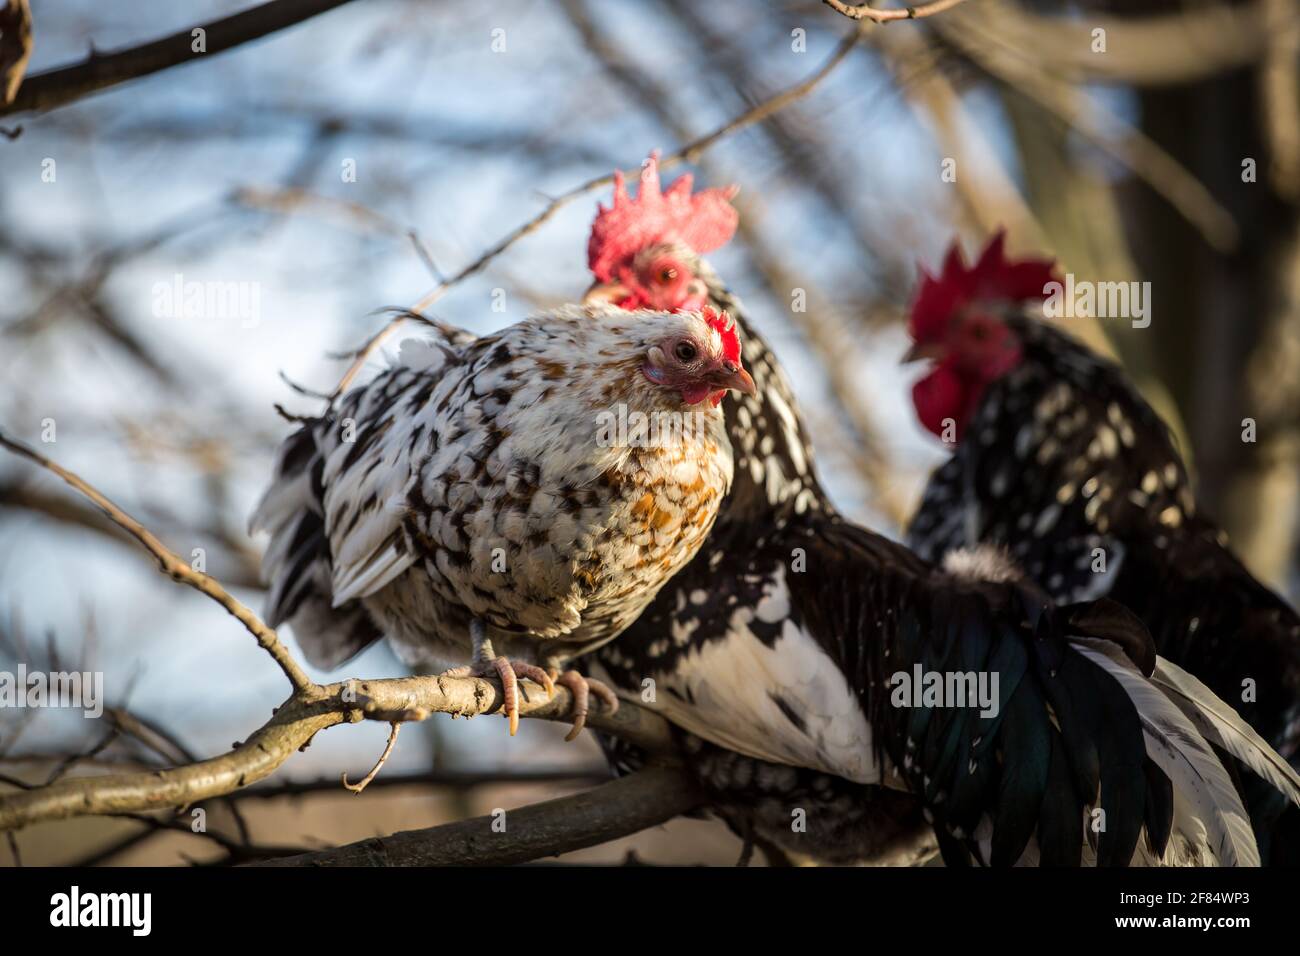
(730, 660)
(1063, 461)
(471, 482)
(779, 678)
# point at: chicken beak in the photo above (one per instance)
(604, 293)
(920, 352)
(731, 376)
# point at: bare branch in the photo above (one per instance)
(1112, 134)
(54, 88)
(1190, 43)
(15, 47)
(234, 562)
(236, 850)
(364, 782)
(615, 809)
(172, 565)
(292, 728)
(439, 778)
(864, 12)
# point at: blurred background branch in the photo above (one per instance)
(54, 88)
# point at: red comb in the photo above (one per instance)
(704, 221)
(992, 278)
(725, 327)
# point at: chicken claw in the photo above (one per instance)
(508, 672)
(582, 688)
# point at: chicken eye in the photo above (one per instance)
(686, 351)
(667, 274)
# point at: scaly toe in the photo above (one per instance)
(603, 693)
(509, 673)
(577, 685)
(582, 689)
(536, 675)
(510, 689)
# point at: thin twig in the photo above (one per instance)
(65, 765)
(426, 257)
(374, 771)
(172, 565)
(235, 849)
(864, 12)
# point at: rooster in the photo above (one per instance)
(770, 648)
(1058, 459)
(476, 499)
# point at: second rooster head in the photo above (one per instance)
(645, 252)
(958, 322)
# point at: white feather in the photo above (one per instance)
(361, 580)
(1223, 727)
(1176, 747)
(726, 692)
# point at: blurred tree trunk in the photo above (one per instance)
(1218, 317)
(1080, 215)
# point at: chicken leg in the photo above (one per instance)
(486, 663)
(582, 689)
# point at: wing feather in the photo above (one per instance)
(1174, 744)
(1223, 727)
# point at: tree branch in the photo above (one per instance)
(235, 564)
(55, 88)
(172, 565)
(292, 728)
(15, 47)
(615, 809)
(871, 14)
(1190, 43)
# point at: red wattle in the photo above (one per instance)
(940, 397)
(694, 394)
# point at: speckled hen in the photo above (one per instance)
(479, 500)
